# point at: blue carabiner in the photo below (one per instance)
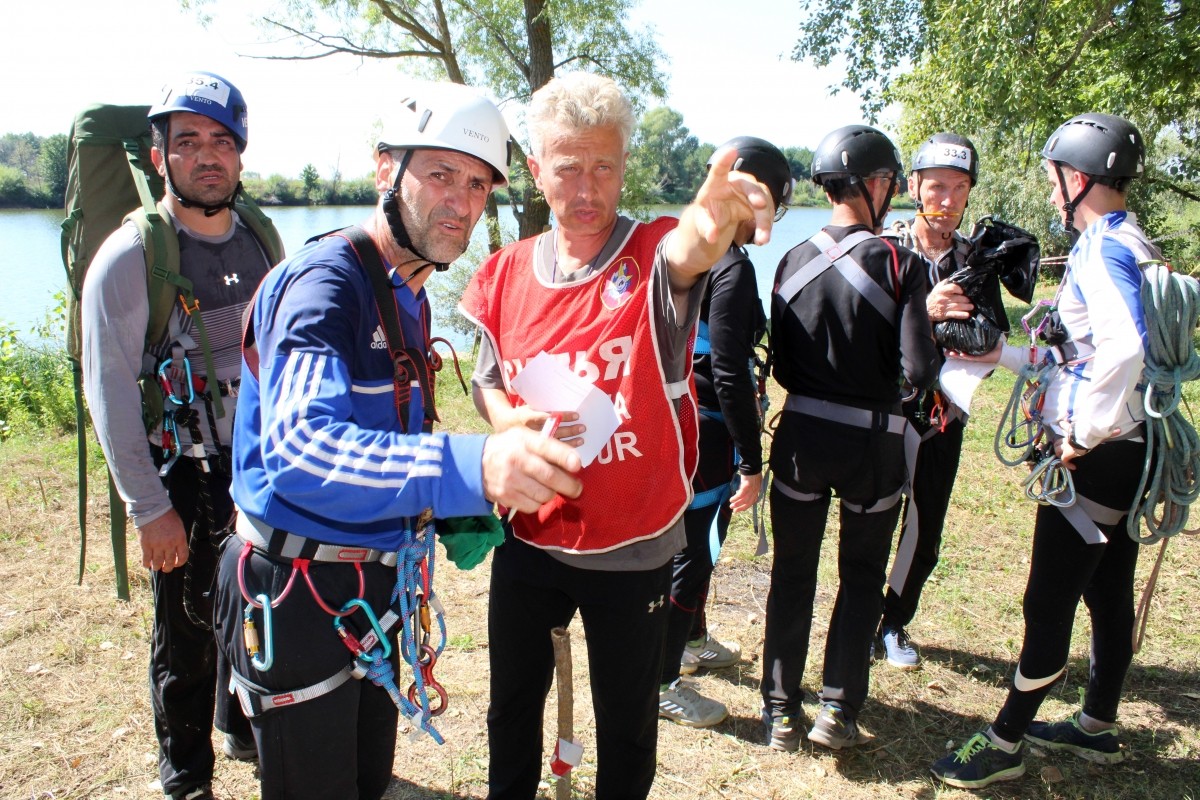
(261, 664)
(165, 382)
(380, 633)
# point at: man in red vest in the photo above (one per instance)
(618, 300)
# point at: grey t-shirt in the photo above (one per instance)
(115, 312)
(675, 315)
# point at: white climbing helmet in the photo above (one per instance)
(450, 116)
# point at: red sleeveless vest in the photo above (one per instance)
(603, 329)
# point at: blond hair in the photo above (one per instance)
(575, 101)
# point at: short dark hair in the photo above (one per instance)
(842, 189)
(158, 132)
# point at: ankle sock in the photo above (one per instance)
(1003, 744)
(1094, 726)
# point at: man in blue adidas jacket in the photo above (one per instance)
(334, 460)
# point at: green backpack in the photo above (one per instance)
(110, 179)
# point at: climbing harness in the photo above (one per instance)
(180, 389)
(413, 606)
(838, 256)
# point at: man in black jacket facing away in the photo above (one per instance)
(848, 324)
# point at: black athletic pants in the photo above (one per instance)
(341, 745)
(814, 456)
(693, 566)
(1064, 568)
(184, 667)
(624, 618)
(933, 482)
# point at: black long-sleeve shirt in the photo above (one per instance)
(832, 344)
(734, 317)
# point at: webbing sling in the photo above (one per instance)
(837, 255)
(402, 354)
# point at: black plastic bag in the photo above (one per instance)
(1012, 253)
(1001, 254)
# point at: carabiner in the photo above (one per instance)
(1050, 484)
(362, 605)
(165, 381)
(250, 635)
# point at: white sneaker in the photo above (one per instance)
(898, 650)
(710, 653)
(683, 704)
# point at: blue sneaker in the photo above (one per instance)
(1101, 748)
(979, 763)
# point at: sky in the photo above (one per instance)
(61, 57)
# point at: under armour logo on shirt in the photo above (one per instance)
(232, 279)
(655, 604)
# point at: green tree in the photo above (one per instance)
(1007, 73)
(20, 151)
(664, 147)
(312, 182)
(511, 47)
(52, 168)
(13, 191)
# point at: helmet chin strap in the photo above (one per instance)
(209, 210)
(395, 221)
(877, 217)
(1070, 203)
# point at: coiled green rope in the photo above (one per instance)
(1171, 477)
(1020, 425)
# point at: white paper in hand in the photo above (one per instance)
(547, 385)
(960, 378)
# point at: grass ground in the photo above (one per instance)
(76, 719)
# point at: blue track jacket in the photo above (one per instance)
(318, 449)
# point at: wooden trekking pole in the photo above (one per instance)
(561, 639)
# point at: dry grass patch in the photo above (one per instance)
(75, 711)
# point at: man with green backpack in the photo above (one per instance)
(161, 357)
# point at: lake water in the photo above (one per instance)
(31, 269)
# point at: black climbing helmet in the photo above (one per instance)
(1104, 146)
(767, 164)
(948, 151)
(855, 151)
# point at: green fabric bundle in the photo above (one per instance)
(468, 539)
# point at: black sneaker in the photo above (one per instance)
(979, 763)
(1101, 748)
(832, 729)
(782, 732)
(238, 749)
